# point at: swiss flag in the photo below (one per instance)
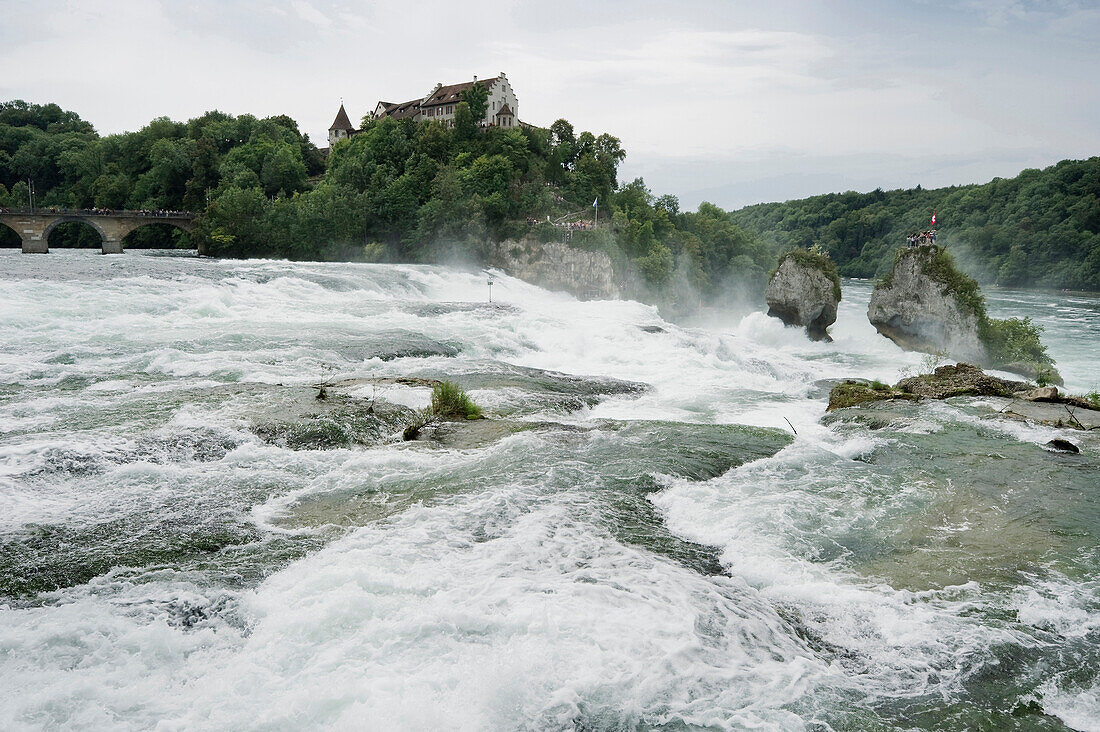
(933, 218)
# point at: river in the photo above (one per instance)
(645, 543)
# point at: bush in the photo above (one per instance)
(449, 401)
(1014, 341)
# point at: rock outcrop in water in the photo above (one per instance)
(962, 379)
(1017, 399)
(558, 266)
(922, 312)
(926, 304)
(804, 290)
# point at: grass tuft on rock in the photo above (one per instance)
(449, 401)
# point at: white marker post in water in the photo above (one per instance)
(490, 289)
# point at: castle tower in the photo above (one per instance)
(341, 128)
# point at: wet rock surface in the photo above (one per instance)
(1014, 399)
(337, 421)
(558, 266)
(962, 379)
(1060, 445)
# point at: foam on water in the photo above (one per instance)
(409, 586)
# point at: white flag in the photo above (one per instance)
(595, 202)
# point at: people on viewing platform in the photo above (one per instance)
(921, 238)
(573, 225)
(158, 213)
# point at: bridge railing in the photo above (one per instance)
(140, 213)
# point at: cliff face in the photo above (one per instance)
(800, 293)
(557, 266)
(921, 313)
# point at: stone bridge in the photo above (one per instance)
(34, 225)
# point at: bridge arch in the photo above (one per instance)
(181, 224)
(133, 239)
(18, 240)
(71, 219)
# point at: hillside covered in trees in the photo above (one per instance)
(1039, 229)
(164, 165)
(405, 191)
(397, 191)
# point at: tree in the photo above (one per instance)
(283, 172)
(234, 224)
(465, 122)
(657, 266)
(477, 97)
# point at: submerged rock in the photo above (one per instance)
(1060, 445)
(1069, 413)
(804, 291)
(337, 421)
(919, 308)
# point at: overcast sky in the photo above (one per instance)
(726, 101)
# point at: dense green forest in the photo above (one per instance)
(427, 192)
(398, 191)
(165, 165)
(1039, 229)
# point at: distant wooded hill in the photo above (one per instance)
(1039, 229)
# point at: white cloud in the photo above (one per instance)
(310, 14)
(705, 86)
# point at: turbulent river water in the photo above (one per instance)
(635, 539)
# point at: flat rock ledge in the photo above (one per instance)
(1015, 399)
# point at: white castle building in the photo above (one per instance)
(439, 105)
